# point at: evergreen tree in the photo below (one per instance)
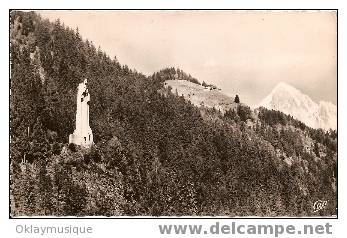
(237, 99)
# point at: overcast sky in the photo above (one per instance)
(242, 52)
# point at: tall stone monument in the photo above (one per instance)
(82, 135)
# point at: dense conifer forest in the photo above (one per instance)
(155, 153)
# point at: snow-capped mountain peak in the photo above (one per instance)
(290, 100)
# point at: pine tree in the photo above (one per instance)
(316, 149)
(237, 99)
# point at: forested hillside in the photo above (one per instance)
(155, 154)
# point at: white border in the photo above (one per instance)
(142, 227)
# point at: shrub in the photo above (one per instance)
(72, 147)
(56, 149)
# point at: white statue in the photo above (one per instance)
(82, 135)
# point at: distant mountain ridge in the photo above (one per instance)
(290, 100)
